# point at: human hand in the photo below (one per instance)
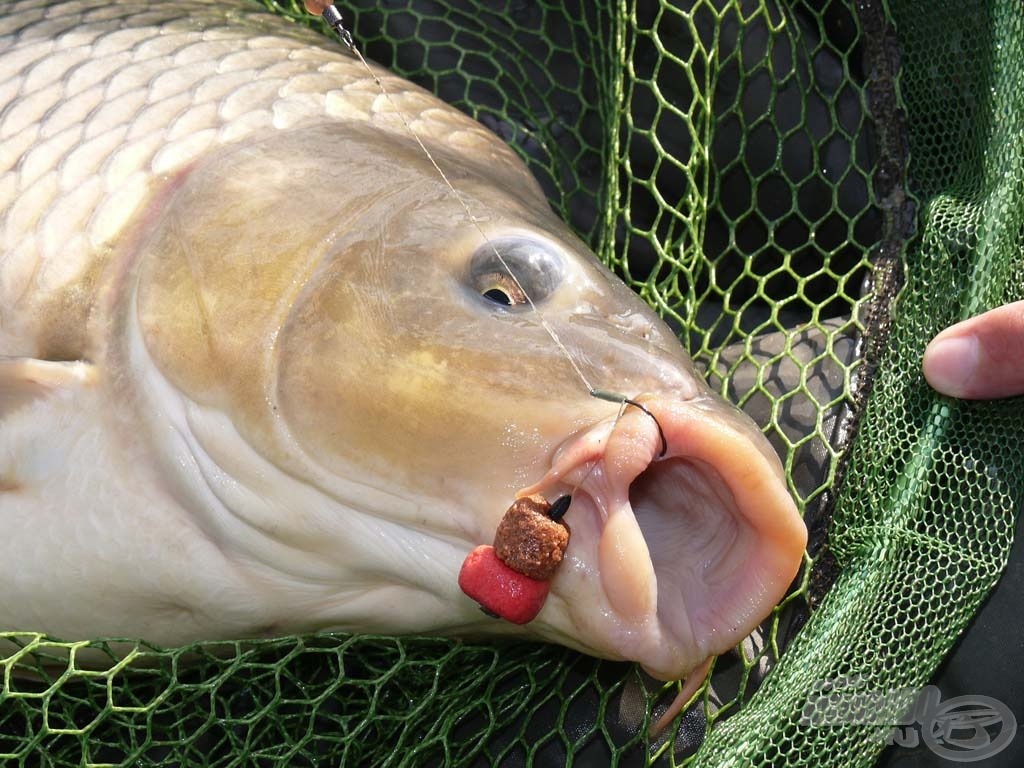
(981, 358)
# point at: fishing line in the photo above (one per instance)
(330, 14)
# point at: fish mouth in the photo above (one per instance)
(683, 527)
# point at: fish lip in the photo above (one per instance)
(740, 570)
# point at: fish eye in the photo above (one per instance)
(537, 268)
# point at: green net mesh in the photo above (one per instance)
(748, 167)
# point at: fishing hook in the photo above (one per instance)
(614, 397)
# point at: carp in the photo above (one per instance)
(262, 373)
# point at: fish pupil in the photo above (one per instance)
(498, 296)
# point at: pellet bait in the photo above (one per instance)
(511, 579)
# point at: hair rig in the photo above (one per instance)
(511, 579)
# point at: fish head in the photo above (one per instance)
(375, 365)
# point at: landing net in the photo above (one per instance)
(848, 175)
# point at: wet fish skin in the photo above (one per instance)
(102, 101)
(295, 408)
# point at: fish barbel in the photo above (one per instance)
(261, 374)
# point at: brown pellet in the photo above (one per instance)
(529, 541)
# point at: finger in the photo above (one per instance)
(980, 358)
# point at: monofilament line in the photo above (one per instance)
(335, 22)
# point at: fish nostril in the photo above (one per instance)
(633, 324)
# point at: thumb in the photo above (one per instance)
(980, 358)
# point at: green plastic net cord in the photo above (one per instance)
(808, 191)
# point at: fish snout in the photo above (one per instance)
(684, 534)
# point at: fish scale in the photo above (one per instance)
(128, 94)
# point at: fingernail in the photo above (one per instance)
(949, 364)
